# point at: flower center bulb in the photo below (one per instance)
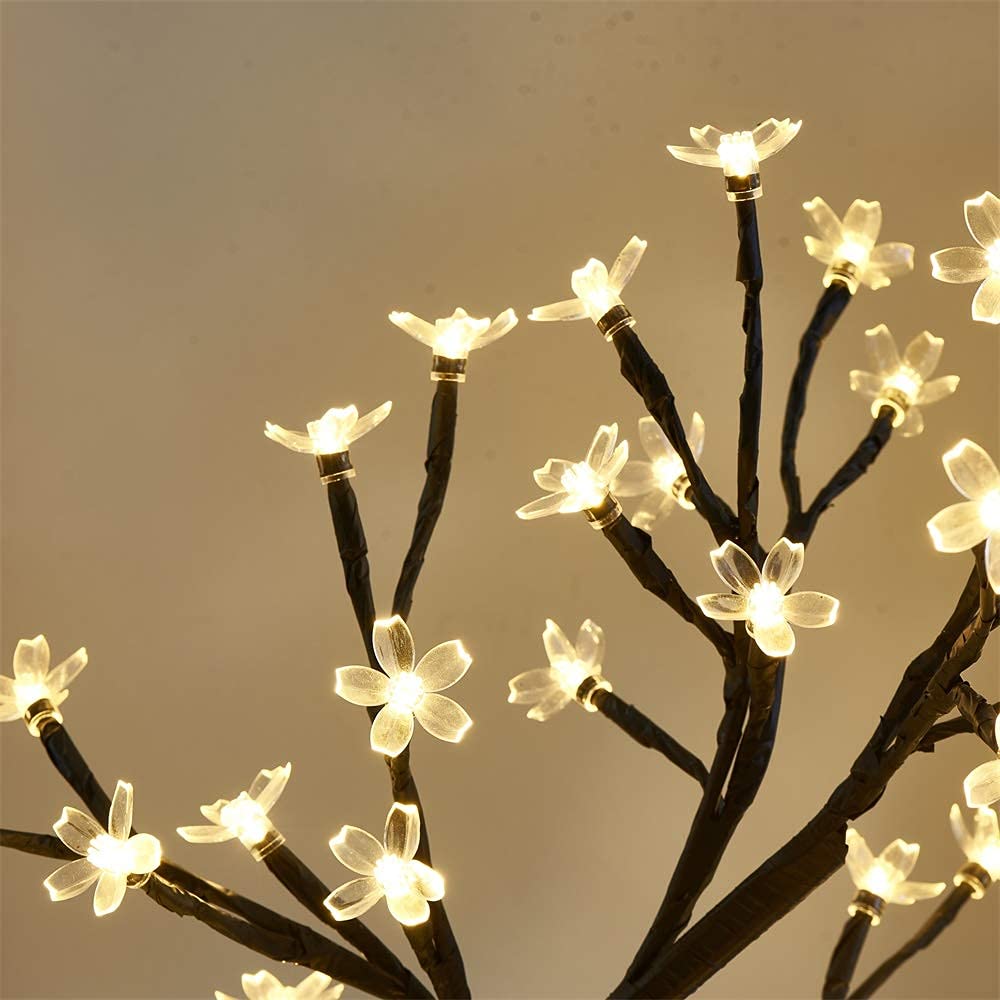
(571, 673)
(738, 154)
(583, 485)
(454, 339)
(590, 283)
(764, 604)
(405, 691)
(989, 510)
(878, 880)
(244, 817)
(993, 256)
(666, 472)
(989, 858)
(28, 692)
(906, 382)
(110, 854)
(853, 252)
(393, 874)
(330, 433)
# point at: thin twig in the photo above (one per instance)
(846, 953)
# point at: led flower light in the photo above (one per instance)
(598, 292)
(982, 784)
(388, 869)
(407, 691)
(848, 247)
(761, 598)
(960, 265)
(263, 986)
(882, 880)
(662, 481)
(245, 817)
(963, 525)
(574, 672)
(112, 859)
(35, 692)
(739, 154)
(981, 848)
(582, 486)
(452, 337)
(903, 385)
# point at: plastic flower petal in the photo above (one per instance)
(982, 846)
(961, 265)
(109, 858)
(903, 384)
(576, 486)
(406, 690)
(263, 986)
(34, 683)
(332, 434)
(245, 816)
(574, 671)
(848, 247)
(964, 525)
(982, 784)
(388, 869)
(739, 154)
(761, 598)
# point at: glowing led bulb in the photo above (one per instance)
(981, 847)
(244, 817)
(388, 869)
(884, 877)
(581, 486)
(574, 671)
(598, 292)
(761, 598)
(982, 784)
(904, 384)
(111, 858)
(964, 525)
(662, 481)
(408, 692)
(959, 265)
(739, 154)
(848, 247)
(263, 986)
(35, 692)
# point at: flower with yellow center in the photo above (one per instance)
(34, 682)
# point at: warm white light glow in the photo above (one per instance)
(332, 434)
(982, 846)
(982, 784)
(456, 335)
(263, 986)
(33, 681)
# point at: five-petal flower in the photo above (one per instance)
(982, 784)
(109, 858)
(407, 691)
(33, 682)
(388, 869)
(903, 385)
(761, 598)
(963, 525)
(574, 672)
(848, 247)
(982, 846)
(959, 265)
(332, 434)
(263, 986)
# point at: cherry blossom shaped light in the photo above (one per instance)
(903, 384)
(982, 784)
(761, 598)
(598, 292)
(407, 691)
(263, 986)
(244, 818)
(389, 869)
(581, 486)
(884, 877)
(739, 154)
(35, 692)
(963, 525)
(961, 265)
(661, 482)
(574, 672)
(112, 858)
(981, 847)
(848, 247)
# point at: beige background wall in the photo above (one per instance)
(210, 208)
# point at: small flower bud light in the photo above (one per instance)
(982, 784)
(962, 265)
(35, 692)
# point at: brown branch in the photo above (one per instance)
(846, 953)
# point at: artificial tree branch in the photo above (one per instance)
(846, 953)
(977, 712)
(955, 727)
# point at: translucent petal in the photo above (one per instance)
(443, 665)
(776, 638)
(987, 827)
(590, 645)
(819, 249)
(602, 446)
(428, 882)
(957, 528)
(206, 834)
(146, 853)
(923, 353)
(31, 659)
(982, 784)
(548, 707)
(784, 563)
(59, 678)
(357, 849)
(986, 301)
(505, 322)
(76, 829)
(859, 857)
(862, 222)
(808, 609)
(71, 879)
(567, 309)
(735, 567)
(353, 898)
(262, 986)
(937, 389)
(295, 440)
(651, 509)
(913, 423)
(370, 420)
(393, 645)
(724, 607)
(696, 434)
(361, 685)
(402, 830)
(120, 818)
(635, 480)
(900, 857)
(982, 216)
(959, 829)
(549, 476)
(958, 265)
(866, 384)
(409, 908)
(7, 690)
(616, 463)
(416, 327)
(267, 787)
(442, 717)
(9, 711)
(825, 220)
(392, 730)
(625, 264)
(314, 986)
(708, 137)
(532, 686)
(888, 260)
(971, 470)
(771, 136)
(697, 155)
(905, 893)
(993, 564)
(557, 644)
(882, 349)
(551, 503)
(110, 893)
(654, 441)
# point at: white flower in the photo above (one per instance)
(108, 858)
(455, 335)
(332, 434)
(848, 247)
(388, 869)
(661, 481)
(263, 986)
(576, 486)
(550, 689)
(958, 265)
(885, 876)
(963, 525)
(33, 681)
(244, 817)
(982, 846)
(761, 598)
(597, 289)
(407, 691)
(982, 784)
(903, 384)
